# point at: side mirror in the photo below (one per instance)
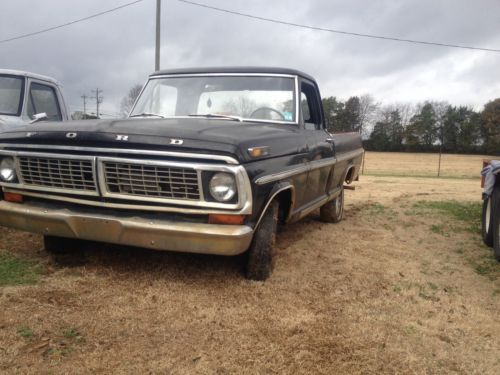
(39, 117)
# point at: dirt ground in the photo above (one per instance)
(391, 289)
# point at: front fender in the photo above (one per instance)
(285, 204)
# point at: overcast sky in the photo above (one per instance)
(116, 50)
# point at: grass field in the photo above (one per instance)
(402, 285)
(418, 164)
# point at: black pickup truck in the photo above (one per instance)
(209, 161)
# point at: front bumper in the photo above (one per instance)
(126, 230)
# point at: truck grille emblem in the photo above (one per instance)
(176, 141)
(71, 135)
(120, 137)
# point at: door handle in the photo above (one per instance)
(329, 140)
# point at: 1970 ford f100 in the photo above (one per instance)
(209, 161)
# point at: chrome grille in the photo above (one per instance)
(154, 181)
(58, 173)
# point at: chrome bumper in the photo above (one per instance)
(130, 231)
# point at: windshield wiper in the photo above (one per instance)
(145, 114)
(215, 115)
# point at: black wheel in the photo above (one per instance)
(58, 245)
(333, 211)
(260, 260)
(496, 222)
(487, 221)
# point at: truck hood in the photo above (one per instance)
(198, 135)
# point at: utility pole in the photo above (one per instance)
(84, 97)
(98, 100)
(158, 28)
(441, 139)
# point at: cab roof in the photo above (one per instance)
(22, 73)
(234, 69)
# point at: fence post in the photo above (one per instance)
(439, 163)
(363, 163)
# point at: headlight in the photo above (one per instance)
(7, 170)
(222, 186)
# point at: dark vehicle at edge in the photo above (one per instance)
(209, 161)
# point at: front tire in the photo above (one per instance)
(260, 261)
(59, 245)
(65, 251)
(487, 221)
(333, 211)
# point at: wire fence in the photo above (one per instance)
(423, 164)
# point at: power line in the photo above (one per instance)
(69, 23)
(337, 31)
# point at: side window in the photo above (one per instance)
(309, 103)
(43, 98)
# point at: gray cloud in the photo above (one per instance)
(116, 50)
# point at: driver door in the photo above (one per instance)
(320, 144)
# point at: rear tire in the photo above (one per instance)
(333, 211)
(487, 220)
(496, 223)
(260, 261)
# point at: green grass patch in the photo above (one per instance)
(468, 213)
(380, 209)
(397, 289)
(439, 229)
(25, 332)
(70, 333)
(409, 330)
(377, 208)
(18, 271)
(432, 286)
(73, 334)
(59, 352)
(485, 266)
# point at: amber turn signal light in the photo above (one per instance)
(12, 197)
(226, 219)
(257, 152)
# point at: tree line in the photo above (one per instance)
(424, 127)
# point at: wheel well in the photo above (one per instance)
(285, 204)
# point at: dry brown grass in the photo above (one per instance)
(418, 164)
(379, 292)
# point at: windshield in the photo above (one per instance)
(11, 95)
(261, 98)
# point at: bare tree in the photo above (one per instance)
(407, 111)
(367, 113)
(129, 100)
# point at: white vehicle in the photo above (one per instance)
(27, 97)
